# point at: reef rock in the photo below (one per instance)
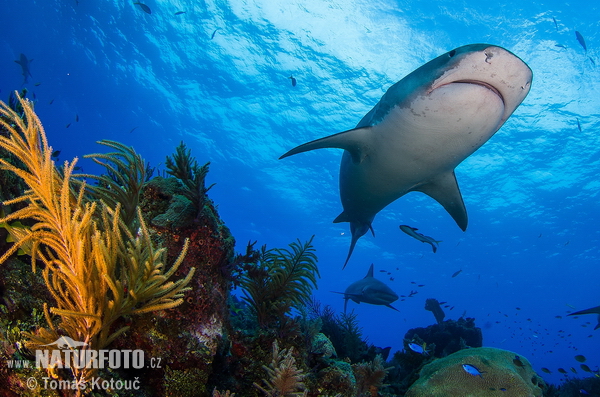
(502, 373)
(449, 336)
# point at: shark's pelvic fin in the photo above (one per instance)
(444, 189)
(355, 141)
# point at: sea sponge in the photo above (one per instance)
(503, 373)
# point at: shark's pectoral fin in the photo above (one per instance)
(444, 189)
(355, 141)
(592, 310)
(392, 307)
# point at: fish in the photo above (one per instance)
(456, 273)
(25, 67)
(562, 371)
(517, 361)
(68, 125)
(546, 370)
(133, 129)
(144, 7)
(56, 153)
(51, 102)
(420, 349)
(592, 61)
(37, 84)
(593, 310)
(422, 128)
(76, 117)
(585, 368)
(434, 306)
(294, 82)
(369, 290)
(583, 391)
(580, 357)
(560, 46)
(578, 125)
(581, 40)
(555, 24)
(412, 232)
(180, 12)
(472, 370)
(214, 33)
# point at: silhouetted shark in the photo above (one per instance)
(369, 290)
(592, 310)
(422, 128)
(24, 63)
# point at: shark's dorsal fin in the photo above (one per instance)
(444, 189)
(370, 272)
(355, 141)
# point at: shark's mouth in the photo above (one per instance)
(483, 84)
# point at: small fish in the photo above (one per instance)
(391, 278)
(51, 102)
(37, 84)
(517, 361)
(578, 126)
(583, 391)
(56, 153)
(383, 271)
(573, 370)
(581, 40)
(68, 125)
(555, 24)
(559, 317)
(76, 117)
(180, 12)
(546, 370)
(585, 368)
(560, 46)
(420, 349)
(472, 370)
(144, 7)
(456, 273)
(214, 33)
(294, 82)
(592, 61)
(77, 168)
(562, 371)
(412, 231)
(581, 358)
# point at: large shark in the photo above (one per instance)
(24, 63)
(592, 310)
(369, 290)
(422, 128)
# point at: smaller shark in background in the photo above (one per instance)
(412, 232)
(369, 290)
(25, 63)
(592, 310)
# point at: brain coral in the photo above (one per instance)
(504, 373)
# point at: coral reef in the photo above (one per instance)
(369, 377)
(96, 270)
(283, 377)
(499, 374)
(448, 337)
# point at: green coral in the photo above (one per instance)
(185, 168)
(123, 182)
(502, 371)
(280, 281)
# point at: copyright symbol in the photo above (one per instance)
(32, 383)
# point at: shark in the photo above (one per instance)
(24, 63)
(421, 129)
(369, 290)
(592, 310)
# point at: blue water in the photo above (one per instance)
(531, 192)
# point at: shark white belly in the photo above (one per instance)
(421, 129)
